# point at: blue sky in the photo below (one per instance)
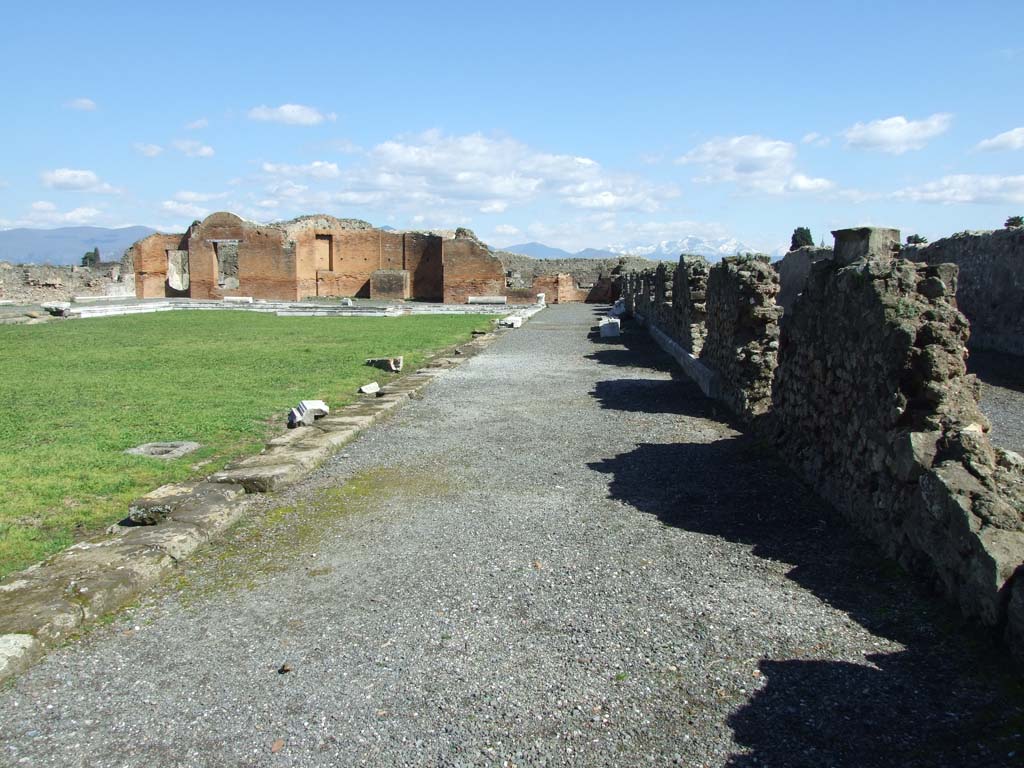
(577, 124)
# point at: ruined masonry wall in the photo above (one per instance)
(873, 406)
(743, 331)
(470, 270)
(689, 302)
(991, 291)
(793, 269)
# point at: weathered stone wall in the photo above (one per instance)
(794, 269)
(743, 331)
(36, 283)
(873, 406)
(662, 310)
(991, 289)
(863, 388)
(585, 272)
(689, 303)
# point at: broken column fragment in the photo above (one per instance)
(306, 412)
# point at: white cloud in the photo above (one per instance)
(70, 178)
(45, 213)
(800, 183)
(76, 179)
(754, 163)
(318, 169)
(81, 104)
(506, 229)
(1012, 139)
(290, 114)
(186, 196)
(968, 188)
(451, 177)
(191, 148)
(149, 150)
(189, 210)
(195, 125)
(897, 135)
(815, 139)
(497, 172)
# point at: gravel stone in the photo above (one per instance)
(560, 555)
(1002, 396)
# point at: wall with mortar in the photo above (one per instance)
(389, 284)
(266, 263)
(742, 339)
(793, 269)
(863, 388)
(423, 261)
(872, 405)
(689, 303)
(149, 260)
(991, 290)
(470, 270)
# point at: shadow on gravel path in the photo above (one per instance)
(945, 700)
(994, 369)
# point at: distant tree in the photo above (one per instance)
(92, 258)
(801, 237)
(1014, 221)
(916, 239)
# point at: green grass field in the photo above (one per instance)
(74, 395)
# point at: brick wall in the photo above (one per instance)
(266, 263)
(469, 270)
(423, 262)
(149, 257)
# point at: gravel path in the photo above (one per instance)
(560, 555)
(1002, 396)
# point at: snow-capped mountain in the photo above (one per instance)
(712, 249)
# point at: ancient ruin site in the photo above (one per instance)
(548, 385)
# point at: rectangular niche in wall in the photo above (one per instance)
(324, 253)
(226, 256)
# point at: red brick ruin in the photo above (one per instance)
(322, 256)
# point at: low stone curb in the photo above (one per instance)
(47, 603)
(705, 378)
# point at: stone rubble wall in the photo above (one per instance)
(36, 283)
(873, 406)
(663, 309)
(991, 291)
(794, 269)
(689, 302)
(863, 388)
(743, 331)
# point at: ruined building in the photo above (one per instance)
(322, 256)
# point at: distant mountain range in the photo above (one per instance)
(712, 249)
(66, 245)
